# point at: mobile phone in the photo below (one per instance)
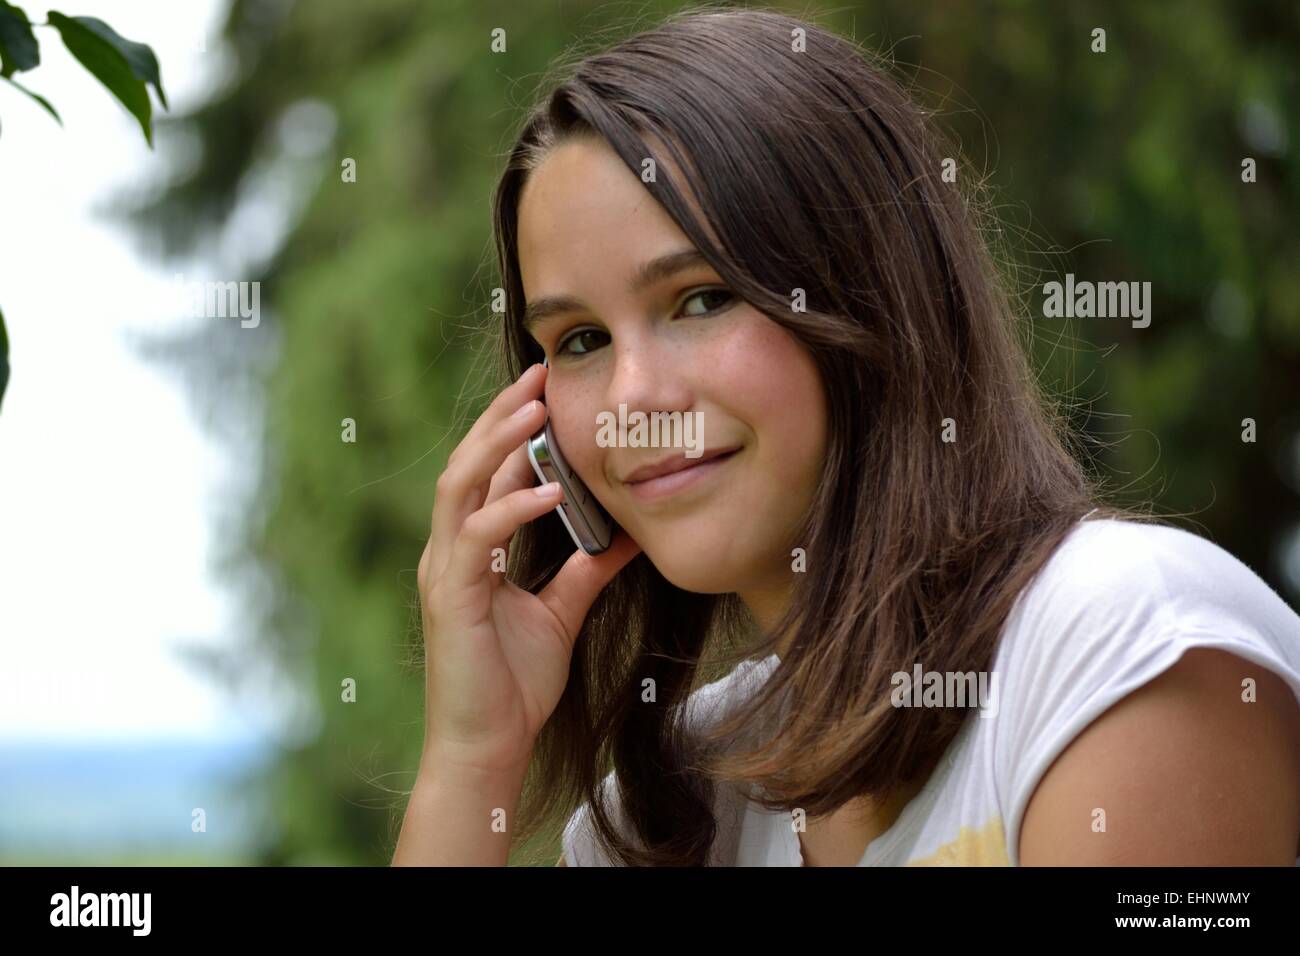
(590, 526)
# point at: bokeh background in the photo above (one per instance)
(192, 561)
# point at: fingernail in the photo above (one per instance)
(526, 410)
(548, 490)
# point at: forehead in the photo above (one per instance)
(584, 214)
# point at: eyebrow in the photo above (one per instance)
(539, 310)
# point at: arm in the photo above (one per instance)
(1188, 774)
(449, 818)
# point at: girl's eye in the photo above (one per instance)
(724, 294)
(562, 348)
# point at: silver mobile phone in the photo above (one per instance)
(590, 526)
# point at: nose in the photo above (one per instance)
(649, 378)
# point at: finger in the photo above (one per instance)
(515, 473)
(573, 590)
(528, 386)
(471, 554)
(422, 569)
(483, 460)
(480, 462)
(462, 487)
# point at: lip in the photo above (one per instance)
(666, 466)
(682, 473)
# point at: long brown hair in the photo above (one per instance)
(814, 170)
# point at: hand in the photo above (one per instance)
(497, 657)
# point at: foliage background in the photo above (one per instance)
(1117, 166)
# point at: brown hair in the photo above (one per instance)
(814, 170)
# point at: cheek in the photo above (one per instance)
(773, 384)
(573, 423)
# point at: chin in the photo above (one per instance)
(697, 570)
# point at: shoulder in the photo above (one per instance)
(1120, 600)
(1171, 625)
(1151, 575)
(1190, 769)
(706, 705)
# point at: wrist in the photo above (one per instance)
(446, 762)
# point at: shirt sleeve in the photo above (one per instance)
(1117, 607)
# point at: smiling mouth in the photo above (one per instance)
(673, 482)
(668, 466)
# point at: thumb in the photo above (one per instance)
(573, 590)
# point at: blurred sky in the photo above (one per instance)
(109, 487)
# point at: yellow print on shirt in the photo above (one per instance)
(986, 846)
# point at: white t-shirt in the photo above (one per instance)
(1116, 605)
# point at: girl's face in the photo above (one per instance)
(673, 341)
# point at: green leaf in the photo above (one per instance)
(138, 56)
(18, 49)
(4, 356)
(38, 98)
(108, 65)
